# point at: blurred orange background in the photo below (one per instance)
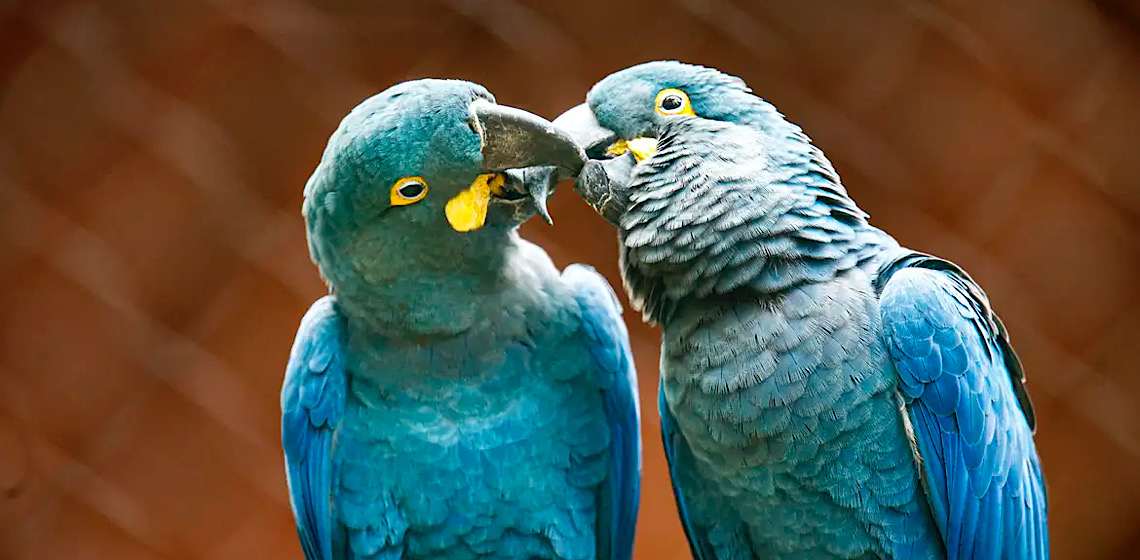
(154, 268)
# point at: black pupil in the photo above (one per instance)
(411, 190)
(671, 102)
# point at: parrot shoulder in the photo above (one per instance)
(312, 403)
(965, 403)
(608, 342)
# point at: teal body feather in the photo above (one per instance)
(825, 393)
(456, 396)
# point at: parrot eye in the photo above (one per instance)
(408, 190)
(673, 102)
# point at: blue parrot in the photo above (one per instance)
(455, 396)
(825, 392)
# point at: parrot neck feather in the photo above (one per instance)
(428, 297)
(725, 207)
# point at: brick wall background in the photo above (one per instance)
(153, 266)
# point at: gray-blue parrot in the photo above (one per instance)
(455, 396)
(825, 392)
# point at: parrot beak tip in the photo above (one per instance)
(515, 139)
(537, 183)
(543, 211)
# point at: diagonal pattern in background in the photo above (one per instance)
(152, 157)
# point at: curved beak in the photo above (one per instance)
(513, 142)
(602, 183)
(582, 126)
(514, 139)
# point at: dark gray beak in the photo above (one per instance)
(602, 183)
(581, 124)
(516, 139)
(538, 182)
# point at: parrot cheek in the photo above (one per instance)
(641, 148)
(467, 211)
(502, 199)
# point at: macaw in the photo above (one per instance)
(825, 392)
(455, 396)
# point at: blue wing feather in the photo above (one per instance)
(312, 402)
(675, 455)
(609, 346)
(965, 397)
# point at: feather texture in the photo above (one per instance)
(458, 397)
(312, 407)
(825, 393)
(609, 345)
(971, 414)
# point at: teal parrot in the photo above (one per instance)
(825, 393)
(455, 396)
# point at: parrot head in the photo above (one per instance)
(625, 112)
(632, 104)
(707, 184)
(427, 174)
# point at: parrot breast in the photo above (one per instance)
(747, 251)
(490, 476)
(789, 409)
(491, 444)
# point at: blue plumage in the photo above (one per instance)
(953, 361)
(609, 345)
(456, 396)
(825, 393)
(312, 404)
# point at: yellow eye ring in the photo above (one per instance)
(671, 102)
(408, 190)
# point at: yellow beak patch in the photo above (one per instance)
(467, 211)
(641, 148)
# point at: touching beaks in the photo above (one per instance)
(604, 182)
(513, 139)
(537, 182)
(583, 126)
